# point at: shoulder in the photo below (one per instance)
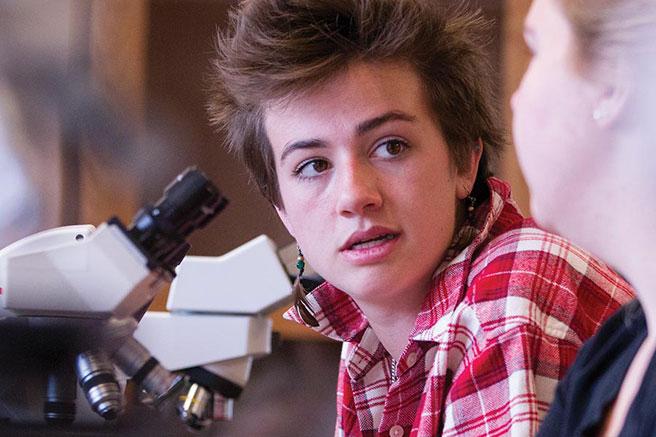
(624, 327)
(528, 275)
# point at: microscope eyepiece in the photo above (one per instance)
(188, 203)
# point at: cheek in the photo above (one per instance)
(542, 122)
(531, 105)
(429, 197)
(303, 213)
(536, 132)
(554, 138)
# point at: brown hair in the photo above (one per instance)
(607, 28)
(274, 49)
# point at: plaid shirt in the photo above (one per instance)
(500, 327)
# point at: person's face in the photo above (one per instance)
(558, 142)
(367, 184)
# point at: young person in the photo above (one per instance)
(369, 126)
(591, 95)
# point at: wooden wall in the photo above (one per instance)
(515, 58)
(117, 59)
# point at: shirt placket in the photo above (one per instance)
(394, 422)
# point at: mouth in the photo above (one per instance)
(368, 239)
(372, 242)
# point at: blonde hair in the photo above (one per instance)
(607, 29)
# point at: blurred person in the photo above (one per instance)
(369, 125)
(584, 129)
(18, 195)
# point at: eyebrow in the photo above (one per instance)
(371, 124)
(361, 129)
(303, 144)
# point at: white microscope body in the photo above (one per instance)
(68, 272)
(216, 325)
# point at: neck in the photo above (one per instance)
(628, 237)
(393, 321)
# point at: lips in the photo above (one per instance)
(373, 242)
(370, 238)
(370, 247)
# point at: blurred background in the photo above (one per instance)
(102, 103)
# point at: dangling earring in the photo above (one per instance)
(300, 302)
(471, 201)
(469, 230)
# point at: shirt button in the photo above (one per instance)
(396, 431)
(412, 359)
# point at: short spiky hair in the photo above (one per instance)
(275, 49)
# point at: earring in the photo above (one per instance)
(599, 114)
(300, 302)
(471, 200)
(300, 262)
(467, 231)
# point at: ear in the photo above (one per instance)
(285, 220)
(466, 177)
(614, 89)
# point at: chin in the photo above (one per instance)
(365, 287)
(571, 224)
(538, 216)
(551, 220)
(545, 208)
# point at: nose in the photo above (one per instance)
(358, 190)
(514, 98)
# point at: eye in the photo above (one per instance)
(311, 168)
(390, 148)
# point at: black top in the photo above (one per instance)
(594, 380)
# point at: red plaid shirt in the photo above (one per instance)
(499, 328)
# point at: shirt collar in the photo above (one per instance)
(341, 319)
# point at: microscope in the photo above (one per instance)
(71, 299)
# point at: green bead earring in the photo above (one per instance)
(300, 301)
